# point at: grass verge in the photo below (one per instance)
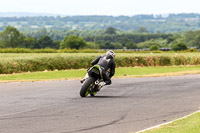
(189, 124)
(120, 73)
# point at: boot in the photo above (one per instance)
(82, 80)
(86, 76)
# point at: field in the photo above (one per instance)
(31, 62)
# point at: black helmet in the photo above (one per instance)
(110, 53)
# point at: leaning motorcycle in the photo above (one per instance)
(93, 81)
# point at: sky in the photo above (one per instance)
(101, 7)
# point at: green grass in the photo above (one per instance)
(139, 71)
(65, 74)
(120, 72)
(190, 124)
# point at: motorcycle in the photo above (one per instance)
(93, 81)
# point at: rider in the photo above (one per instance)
(107, 63)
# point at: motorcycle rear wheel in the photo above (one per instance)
(85, 89)
(93, 94)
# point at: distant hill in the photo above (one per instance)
(152, 23)
(24, 14)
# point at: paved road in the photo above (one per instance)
(127, 105)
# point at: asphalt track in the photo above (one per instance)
(127, 105)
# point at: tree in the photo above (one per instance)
(197, 41)
(56, 44)
(179, 46)
(45, 42)
(118, 46)
(142, 29)
(73, 42)
(110, 30)
(1, 42)
(92, 45)
(147, 44)
(11, 37)
(30, 42)
(154, 47)
(193, 38)
(106, 45)
(131, 45)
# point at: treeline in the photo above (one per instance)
(153, 23)
(110, 38)
(12, 38)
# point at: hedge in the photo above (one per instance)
(77, 62)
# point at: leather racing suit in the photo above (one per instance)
(107, 63)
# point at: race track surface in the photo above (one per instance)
(127, 105)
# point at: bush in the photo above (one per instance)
(179, 46)
(192, 50)
(154, 48)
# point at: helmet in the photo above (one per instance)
(110, 53)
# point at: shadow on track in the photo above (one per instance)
(107, 97)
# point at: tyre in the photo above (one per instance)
(85, 89)
(93, 94)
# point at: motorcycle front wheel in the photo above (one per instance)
(85, 89)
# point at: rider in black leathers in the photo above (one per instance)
(107, 63)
